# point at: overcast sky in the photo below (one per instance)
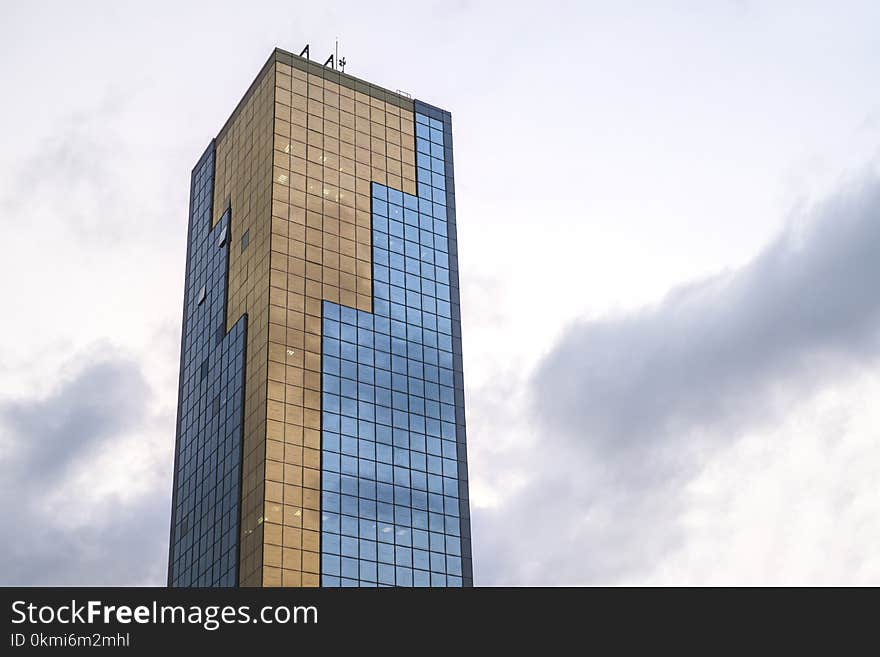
(669, 230)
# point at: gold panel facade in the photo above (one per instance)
(243, 170)
(330, 142)
(295, 163)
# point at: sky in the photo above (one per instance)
(668, 216)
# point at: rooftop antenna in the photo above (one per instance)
(340, 62)
(333, 60)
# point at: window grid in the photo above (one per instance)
(390, 482)
(204, 538)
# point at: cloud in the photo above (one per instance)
(721, 351)
(88, 178)
(89, 505)
(630, 408)
(87, 224)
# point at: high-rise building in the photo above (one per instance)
(321, 424)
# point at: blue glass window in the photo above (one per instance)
(395, 442)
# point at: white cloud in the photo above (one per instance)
(633, 414)
(604, 155)
(788, 504)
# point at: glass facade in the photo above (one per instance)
(342, 317)
(391, 506)
(205, 514)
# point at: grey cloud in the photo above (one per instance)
(79, 177)
(630, 407)
(45, 440)
(721, 351)
(50, 433)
